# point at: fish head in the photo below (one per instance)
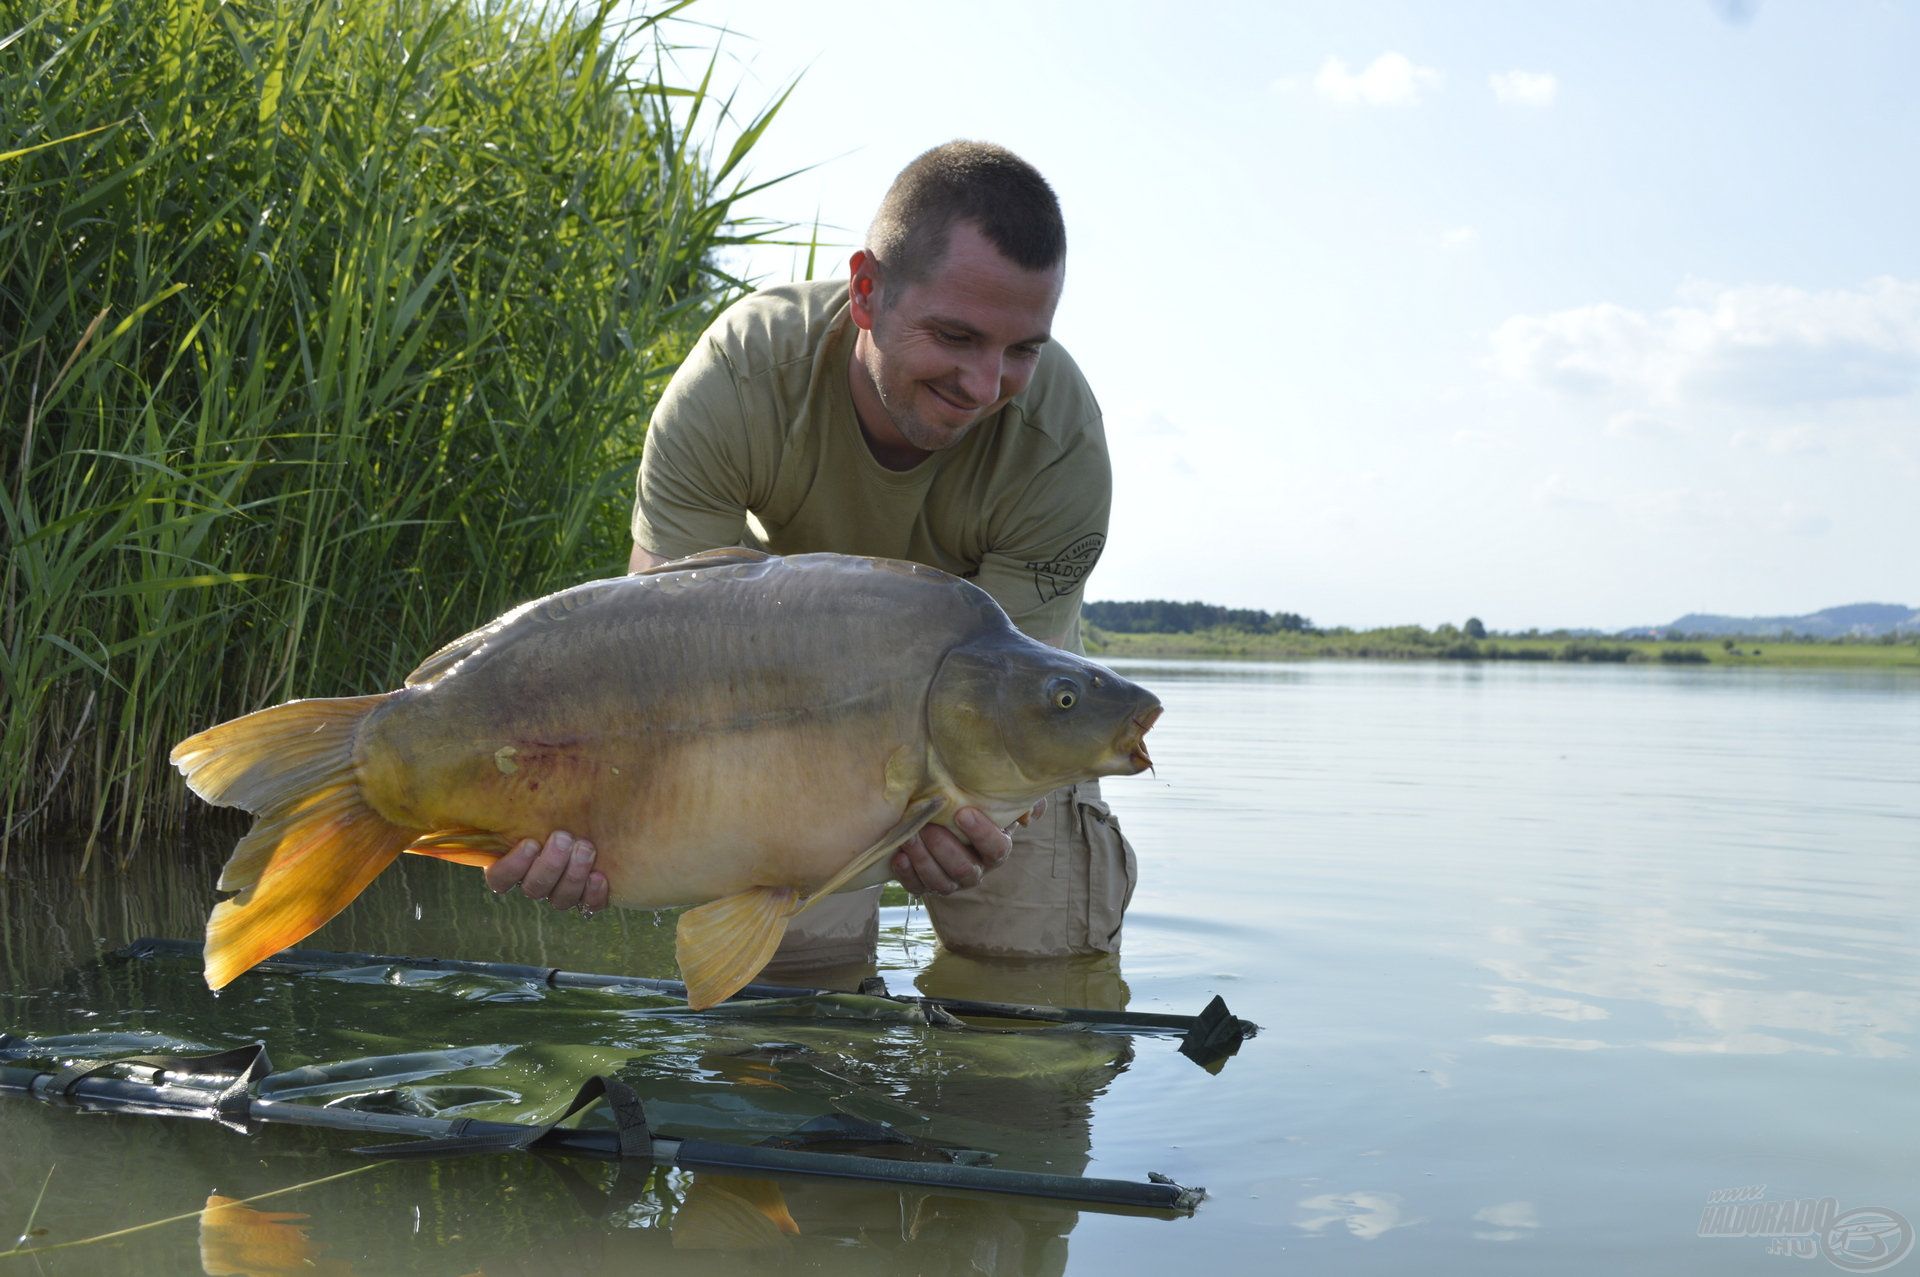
(1012, 718)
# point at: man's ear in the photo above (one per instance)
(863, 287)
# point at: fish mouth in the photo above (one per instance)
(1136, 749)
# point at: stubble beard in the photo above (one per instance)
(915, 428)
(903, 410)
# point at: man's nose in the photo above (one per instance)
(981, 375)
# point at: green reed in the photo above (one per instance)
(328, 330)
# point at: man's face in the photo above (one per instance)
(942, 354)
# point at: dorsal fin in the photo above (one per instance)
(449, 656)
(710, 559)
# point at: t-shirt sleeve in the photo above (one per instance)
(1040, 559)
(693, 489)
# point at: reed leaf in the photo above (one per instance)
(327, 331)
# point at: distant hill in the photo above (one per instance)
(1855, 620)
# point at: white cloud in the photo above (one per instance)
(1557, 490)
(1525, 88)
(1686, 506)
(1800, 520)
(1787, 441)
(1765, 344)
(1391, 79)
(1458, 237)
(1640, 425)
(1476, 439)
(1145, 422)
(1584, 350)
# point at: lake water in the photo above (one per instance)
(1546, 958)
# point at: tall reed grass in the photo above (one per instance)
(328, 329)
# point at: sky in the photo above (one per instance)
(1572, 314)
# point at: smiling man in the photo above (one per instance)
(920, 411)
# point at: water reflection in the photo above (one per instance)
(357, 1037)
(238, 1241)
(1510, 1221)
(1511, 1001)
(1092, 980)
(732, 1212)
(1367, 1216)
(1757, 990)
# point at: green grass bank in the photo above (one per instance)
(327, 331)
(1412, 643)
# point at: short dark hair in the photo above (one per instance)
(974, 182)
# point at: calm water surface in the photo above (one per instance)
(1545, 957)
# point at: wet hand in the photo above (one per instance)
(560, 873)
(940, 861)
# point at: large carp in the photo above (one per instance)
(733, 728)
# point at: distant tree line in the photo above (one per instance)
(1471, 640)
(1892, 638)
(1163, 616)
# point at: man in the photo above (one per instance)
(921, 411)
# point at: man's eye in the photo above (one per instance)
(952, 339)
(1027, 352)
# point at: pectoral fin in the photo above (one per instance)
(723, 944)
(857, 869)
(474, 847)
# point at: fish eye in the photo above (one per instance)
(1063, 694)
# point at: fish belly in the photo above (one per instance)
(784, 810)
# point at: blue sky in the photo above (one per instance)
(1553, 314)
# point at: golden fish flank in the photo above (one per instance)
(738, 729)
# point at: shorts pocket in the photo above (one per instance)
(1112, 869)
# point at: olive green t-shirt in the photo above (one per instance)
(760, 420)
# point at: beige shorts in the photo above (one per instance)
(1063, 891)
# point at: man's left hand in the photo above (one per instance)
(939, 861)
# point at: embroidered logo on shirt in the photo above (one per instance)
(1063, 573)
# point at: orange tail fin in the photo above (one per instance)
(316, 844)
(238, 1241)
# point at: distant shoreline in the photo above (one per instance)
(1408, 643)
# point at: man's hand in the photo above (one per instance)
(939, 861)
(561, 873)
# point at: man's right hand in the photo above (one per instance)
(938, 861)
(560, 873)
